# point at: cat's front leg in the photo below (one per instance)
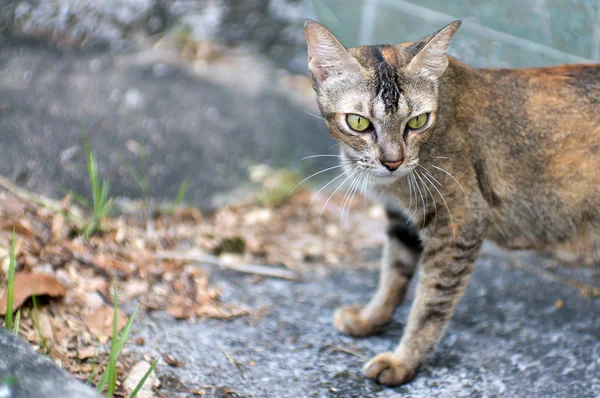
(446, 268)
(401, 254)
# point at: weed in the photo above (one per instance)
(10, 289)
(101, 202)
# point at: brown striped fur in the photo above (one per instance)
(514, 153)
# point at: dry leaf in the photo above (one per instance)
(172, 362)
(60, 230)
(181, 307)
(135, 288)
(29, 284)
(87, 352)
(99, 322)
(22, 227)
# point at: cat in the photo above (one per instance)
(457, 155)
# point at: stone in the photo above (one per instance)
(27, 374)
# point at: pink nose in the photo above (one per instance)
(391, 165)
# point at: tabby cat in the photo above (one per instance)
(457, 155)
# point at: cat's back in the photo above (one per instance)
(570, 83)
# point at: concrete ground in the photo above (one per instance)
(507, 339)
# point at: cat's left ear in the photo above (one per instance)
(432, 51)
(327, 57)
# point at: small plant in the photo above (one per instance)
(101, 202)
(140, 176)
(109, 377)
(275, 184)
(17, 323)
(183, 190)
(10, 288)
(35, 317)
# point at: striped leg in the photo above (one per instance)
(446, 268)
(400, 256)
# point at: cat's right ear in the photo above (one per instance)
(327, 57)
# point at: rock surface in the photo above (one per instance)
(27, 374)
(205, 127)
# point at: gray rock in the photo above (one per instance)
(192, 127)
(27, 374)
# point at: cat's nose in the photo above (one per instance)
(391, 165)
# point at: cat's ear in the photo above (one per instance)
(327, 57)
(432, 52)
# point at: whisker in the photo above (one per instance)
(409, 192)
(430, 175)
(312, 175)
(421, 194)
(456, 181)
(366, 188)
(432, 197)
(360, 177)
(313, 115)
(321, 156)
(414, 182)
(326, 185)
(422, 201)
(447, 208)
(333, 193)
(346, 197)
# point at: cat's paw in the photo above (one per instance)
(388, 370)
(349, 320)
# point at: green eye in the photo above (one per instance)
(418, 121)
(357, 122)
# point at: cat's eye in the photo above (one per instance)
(357, 122)
(418, 121)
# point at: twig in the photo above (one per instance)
(347, 351)
(234, 363)
(255, 269)
(41, 200)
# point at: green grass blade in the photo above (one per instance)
(104, 199)
(143, 380)
(77, 198)
(36, 323)
(102, 382)
(95, 372)
(185, 185)
(17, 322)
(112, 362)
(10, 289)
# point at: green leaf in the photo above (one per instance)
(10, 289)
(185, 186)
(17, 321)
(143, 380)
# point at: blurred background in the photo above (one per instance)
(195, 92)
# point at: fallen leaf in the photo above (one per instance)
(87, 352)
(59, 229)
(99, 322)
(29, 284)
(172, 362)
(181, 307)
(135, 288)
(22, 227)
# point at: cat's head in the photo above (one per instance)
(379, 102)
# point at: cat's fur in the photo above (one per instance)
(515, 154)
